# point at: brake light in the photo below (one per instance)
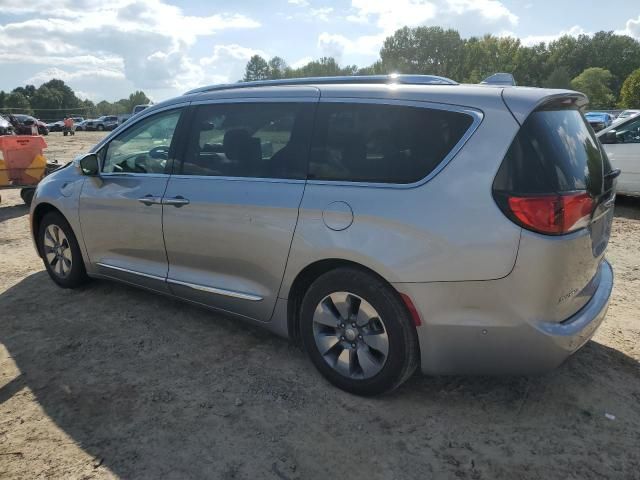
(552, 214)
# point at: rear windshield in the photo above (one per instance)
(554, 151)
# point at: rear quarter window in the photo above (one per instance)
(382, 143)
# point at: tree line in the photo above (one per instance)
(54, 99)
(605, 66)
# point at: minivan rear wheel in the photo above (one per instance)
(357, 332)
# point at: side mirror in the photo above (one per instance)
(609, 137)
(89, 165)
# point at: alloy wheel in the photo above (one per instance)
(350, 335)
(57, 250)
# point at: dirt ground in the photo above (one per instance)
(109, 381)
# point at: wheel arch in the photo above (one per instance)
(36, 220)
(308, 275)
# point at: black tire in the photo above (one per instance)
(100, 128)
(403, 352)
(27, 194)
(77, 274)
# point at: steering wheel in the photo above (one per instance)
(161, 152)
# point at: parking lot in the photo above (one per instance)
(109, 381)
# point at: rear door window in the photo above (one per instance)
(259, 140)
(382, 143)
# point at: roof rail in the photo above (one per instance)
(364, 79)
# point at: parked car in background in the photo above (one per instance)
(320, 209)
(599, 120)
(81, 126)
(621, 142)
(627, 113)
(107, 122)
(5, 126)
(25, 123)
(57, 126)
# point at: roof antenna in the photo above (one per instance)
(504, 79)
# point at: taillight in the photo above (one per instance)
(552, 214)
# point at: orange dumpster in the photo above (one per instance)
(22, 161)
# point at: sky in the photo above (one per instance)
(106, 50)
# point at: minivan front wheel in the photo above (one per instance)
(357, 332)
(60, 251)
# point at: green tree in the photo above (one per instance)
(257, 69)
(619, 54)
(323, 67)
(630, 93)
(17, 102)
(558, 78)
(278, 68)
(426, 50)
(46, 98)
(571, 53)
(530, 65)
(69, 99)
(136, 98)
(595, 83)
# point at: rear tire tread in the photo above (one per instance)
(397, 321)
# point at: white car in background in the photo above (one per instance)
(621, 141)
(627, 114)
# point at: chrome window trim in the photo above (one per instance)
(133, 174)
(239, 179)
(218, 291)
(127, 125)
(274, 99)
(133, 272)
(476, 114)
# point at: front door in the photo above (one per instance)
(231, 208)
(121, 210)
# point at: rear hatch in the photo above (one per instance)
(557, 183)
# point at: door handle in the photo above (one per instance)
(177, 201)
(150, 200)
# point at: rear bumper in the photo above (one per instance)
(467, 330)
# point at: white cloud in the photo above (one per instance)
(309, 13)
(144, 42)
(321, 13)
(227, 64)
(632, 28)
(388, 16)
(336, 45)
(491, 10)
(54, 72)
(574, 31)
(301, 62)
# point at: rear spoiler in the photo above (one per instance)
(522, 101)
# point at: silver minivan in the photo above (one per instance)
(386, 223)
